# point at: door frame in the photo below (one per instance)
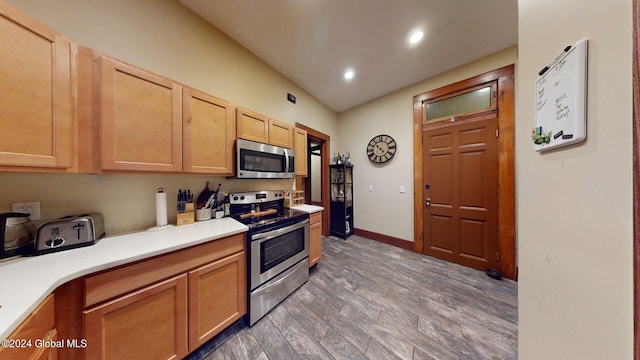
(325, 140)
(636, 179)
(506, 163)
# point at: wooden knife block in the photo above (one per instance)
(186, 217)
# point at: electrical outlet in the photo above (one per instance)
(402, 189)
(32, 208)
(370, 188)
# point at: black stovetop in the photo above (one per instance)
(282, 216)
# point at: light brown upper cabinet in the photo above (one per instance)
(301, 151)
(257, 127)
(208, 126)
(281, 134)
(252, 126)
(141, 119)
(37, 75)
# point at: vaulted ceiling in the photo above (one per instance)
(313, 42)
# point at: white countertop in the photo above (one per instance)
(308, 208)
(27, 281)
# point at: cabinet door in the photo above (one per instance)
(37, 126)
(36, 327)
(217, 297)
(301, 151)
(280, 134)
(315, 238)
(141, 120)
(45, 352)
(150, 323)
(252, 126)
(208, 125)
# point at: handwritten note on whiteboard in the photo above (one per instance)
(561, 100)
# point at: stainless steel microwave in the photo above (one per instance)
(261, 161)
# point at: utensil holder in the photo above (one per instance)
(203, 214)
(295, 198)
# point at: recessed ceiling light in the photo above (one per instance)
(349, 74)
(416, 37)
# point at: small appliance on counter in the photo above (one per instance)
(16, 231)
(69, 232)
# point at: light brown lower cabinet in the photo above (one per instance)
(217, 298)
(160, 308)
(33, 339)
(150, 323)
(134, 314)
(315, 238)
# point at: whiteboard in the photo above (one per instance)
(561, 100)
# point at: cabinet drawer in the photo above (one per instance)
(112, 283)
(315, 217)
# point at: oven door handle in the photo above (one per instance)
(275, 233)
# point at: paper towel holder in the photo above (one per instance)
(161, 209)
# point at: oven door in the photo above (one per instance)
(262, 161)
(277, 250)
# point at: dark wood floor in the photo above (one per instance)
(369, 300)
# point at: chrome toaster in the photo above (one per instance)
(69, 232)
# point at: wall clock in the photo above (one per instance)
(381, 148)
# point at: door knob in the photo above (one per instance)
(427, 201)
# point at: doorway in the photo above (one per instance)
(313, 186)
(453, 224)
(318, 150)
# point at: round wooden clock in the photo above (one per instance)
(381, 148)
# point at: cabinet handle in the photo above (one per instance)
(41, 351)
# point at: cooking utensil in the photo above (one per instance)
(212, 202)
(203, 197)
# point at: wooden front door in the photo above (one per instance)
(460, 174)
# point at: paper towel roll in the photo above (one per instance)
(161, 207)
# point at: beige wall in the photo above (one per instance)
(575, 204)
(164, 37)
(385, 210)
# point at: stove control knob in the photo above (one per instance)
(242, 197)
(235, 198)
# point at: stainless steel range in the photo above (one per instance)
(278, 248)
